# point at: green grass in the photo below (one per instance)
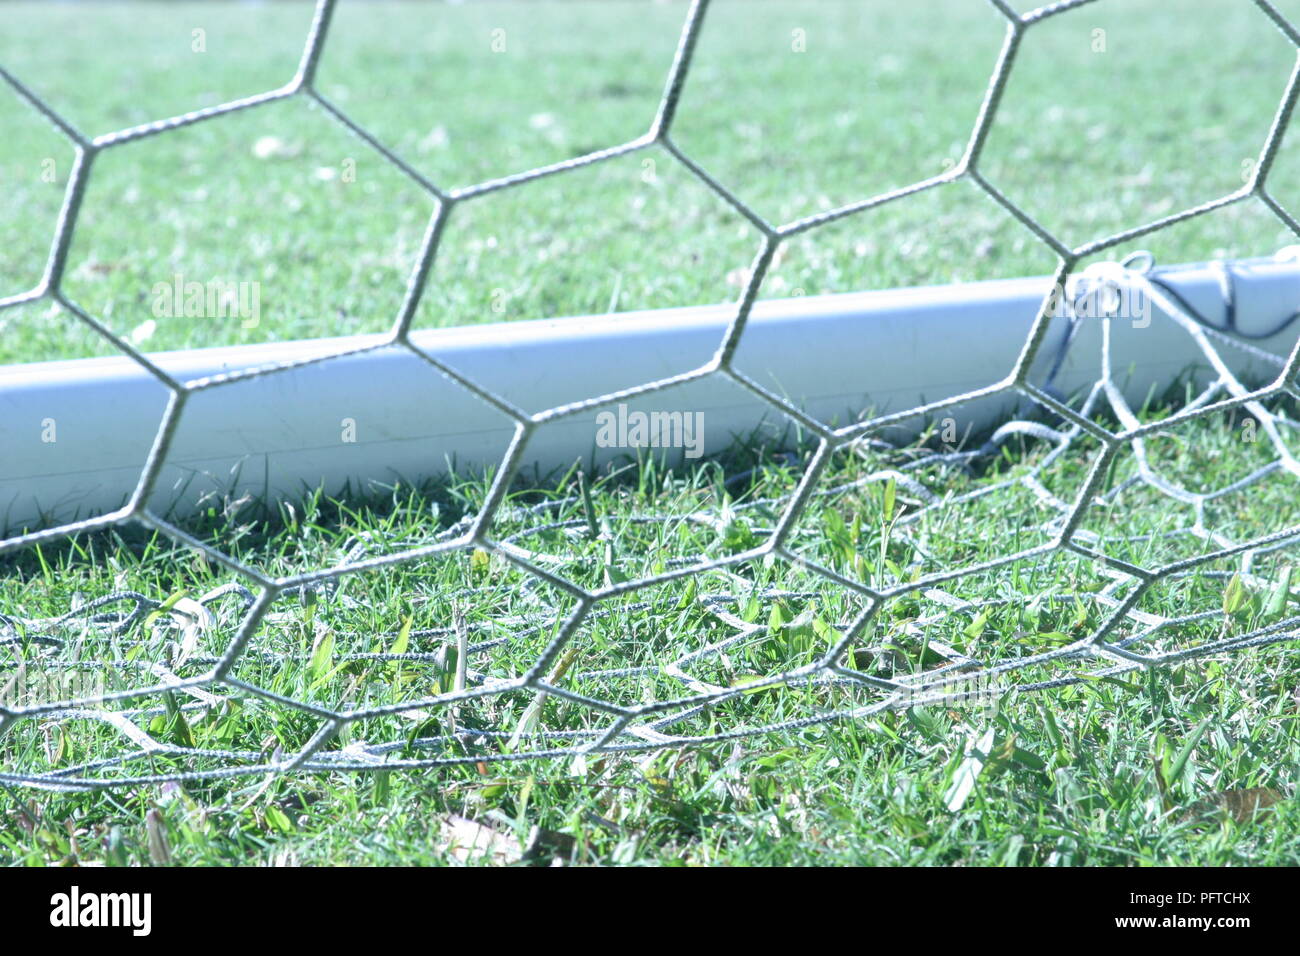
(1124, 770)
(1071, 779)
(881, 97)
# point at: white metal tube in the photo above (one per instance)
(75, 435)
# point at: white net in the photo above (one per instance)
(1079, 543)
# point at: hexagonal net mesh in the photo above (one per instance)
(863, 578)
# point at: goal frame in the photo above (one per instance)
(276, 421)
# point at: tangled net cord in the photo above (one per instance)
(650, 726)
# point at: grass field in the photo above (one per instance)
(1160, 766)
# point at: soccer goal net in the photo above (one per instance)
(911, 409)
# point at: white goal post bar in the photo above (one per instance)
(74, 435)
